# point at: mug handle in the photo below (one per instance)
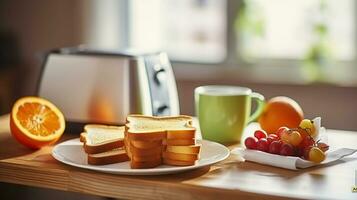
(260, 105)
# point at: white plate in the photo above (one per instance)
(71, 152)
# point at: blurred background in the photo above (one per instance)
(304, 49)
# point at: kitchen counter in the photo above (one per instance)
(229, 179)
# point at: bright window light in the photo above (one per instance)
(188, 30)
(289, 28)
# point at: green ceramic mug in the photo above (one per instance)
(224, 111)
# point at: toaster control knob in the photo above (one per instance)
(161, 109)
(160, 76)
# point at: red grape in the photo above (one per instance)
(272, 137)
(306, 142)
(281, 130)
(263, 145)
(251, 142)
(323, 146)
(300, 152)
(260, 134)
(287, 150)
(306, 152)
(275, 147)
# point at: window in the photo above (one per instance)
(196, 30)
(189, 30)
(294, 41)
(289, 29)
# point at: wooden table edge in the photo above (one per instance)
(128, 187)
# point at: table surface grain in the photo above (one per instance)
(229, 179)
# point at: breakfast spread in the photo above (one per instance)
(148, 141)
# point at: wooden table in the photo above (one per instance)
(230, 179)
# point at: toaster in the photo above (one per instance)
(96, 86)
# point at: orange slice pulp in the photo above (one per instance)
(36, 122)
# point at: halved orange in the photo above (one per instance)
(36, 122)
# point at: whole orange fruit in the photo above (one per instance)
(280, 111)
(36, 122)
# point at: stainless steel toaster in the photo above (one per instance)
(92, 86)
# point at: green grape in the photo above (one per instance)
(308, 125)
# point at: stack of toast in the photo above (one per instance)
(146, 141)
(104, 144)
(152, 141)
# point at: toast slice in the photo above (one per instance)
(145, 164)
(146, 158)
(180, 156)
(109, 157)
(168, 161)
(180, 142)
(192, 149)
(140, 127)
(181, 134)
(101, 138)
(145, 144)
(146, 152)
(82, 137)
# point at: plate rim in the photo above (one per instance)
(150, 171)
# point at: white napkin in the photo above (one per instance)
(289, 162)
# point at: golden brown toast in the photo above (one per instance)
(168, 161)
(146, 139)
(192, 149)
(110, 157)
(101, 138)
(180, 156)
(146, 144)
(146, 164)
(140, 127)
(104, 144)
(180, 142)
(146, 152)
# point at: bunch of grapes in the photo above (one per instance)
(290, 142)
